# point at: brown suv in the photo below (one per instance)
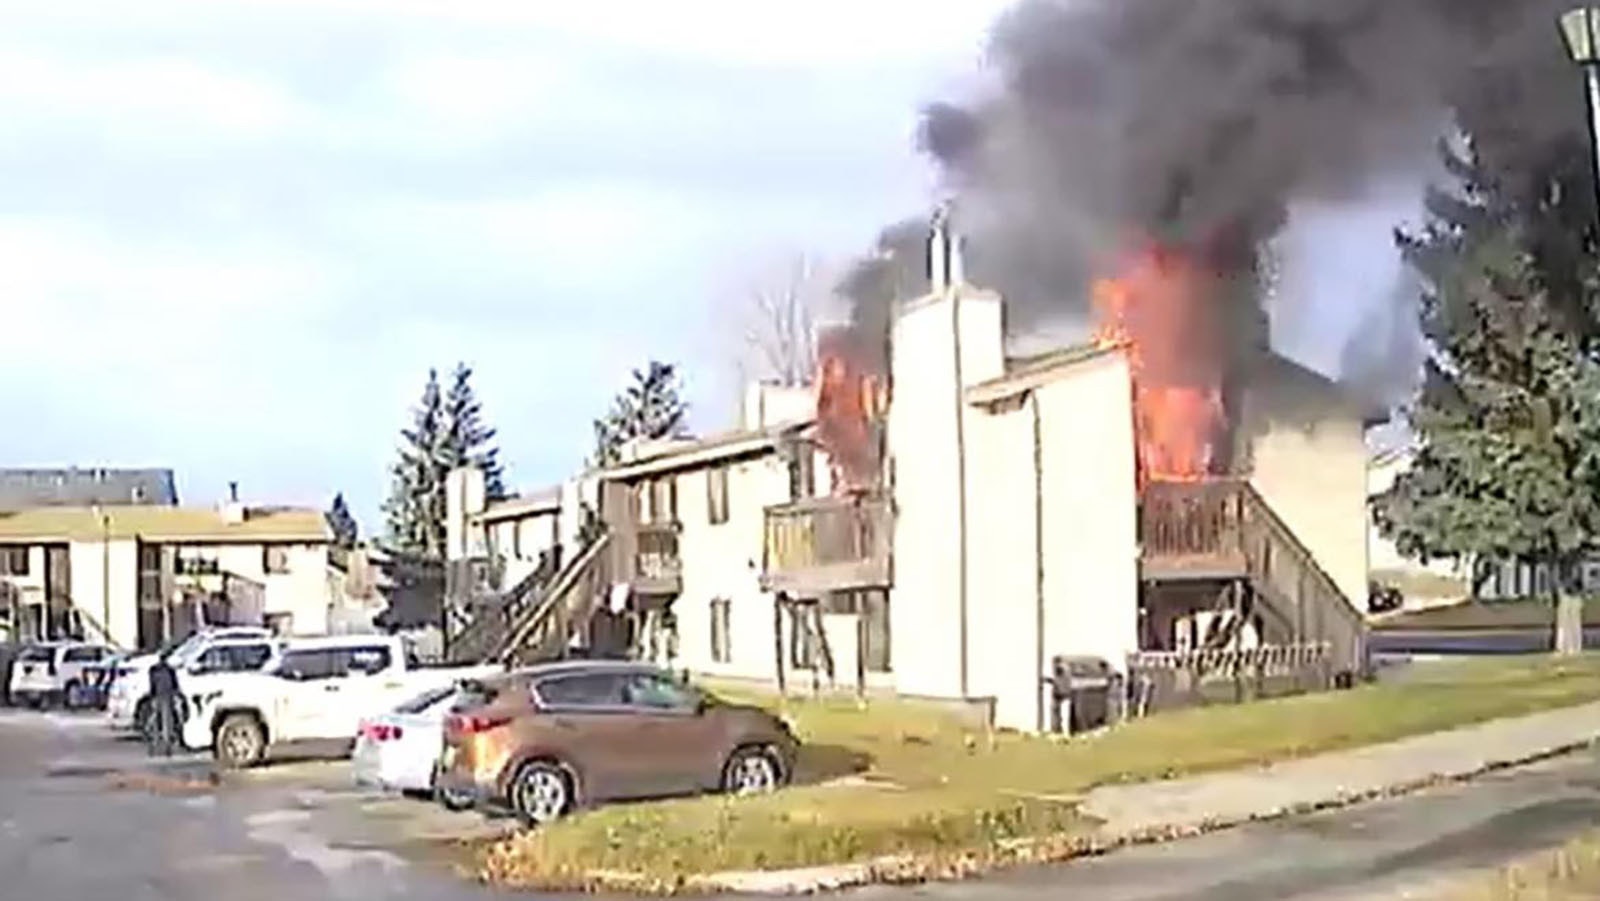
(550, 738)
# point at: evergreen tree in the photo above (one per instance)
(651, 407)
(467, 440)
(1508, 418)
(342, 523)
(415, 510)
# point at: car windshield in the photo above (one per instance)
(425, 700)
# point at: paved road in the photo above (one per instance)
(1470, 641)
(72, 827)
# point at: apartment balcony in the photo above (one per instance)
(817, 545)
(652, 564)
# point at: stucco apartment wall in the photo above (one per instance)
(723, 561)
(1091, 542)
(519, 541)
(927, 419)
(106, 574)
(302, 592)
(1309, 462)
(1003, 637)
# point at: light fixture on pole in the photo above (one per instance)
(1581, 30)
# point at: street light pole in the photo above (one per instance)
(1580, 28)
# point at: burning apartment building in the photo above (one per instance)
(938, 519)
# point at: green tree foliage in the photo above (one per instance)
(1508, 418)
(466, 439)
(342, 523)
(446, 431)
(652, 407)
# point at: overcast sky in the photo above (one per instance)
(234, 236)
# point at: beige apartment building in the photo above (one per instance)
(134, 576)
(1001, 530)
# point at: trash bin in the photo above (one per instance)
(1087, 693)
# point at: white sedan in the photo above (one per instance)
(398, 750)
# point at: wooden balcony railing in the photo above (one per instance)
(656, 566)
(828, 544)
(1223, 529)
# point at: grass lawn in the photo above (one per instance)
(930, 786)
(1491, 615)
(1569, 873)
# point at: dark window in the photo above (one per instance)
(717, 495)
(275, 559)
(13, 561)
(319, 664)
(245, 658)
(591, 690)
(82, 655)
(37, 655)
(658, 692)
(721, 644)
(367, 660)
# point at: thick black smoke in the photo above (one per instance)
(1199, 122)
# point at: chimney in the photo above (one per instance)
(233, 492)
(939, 250)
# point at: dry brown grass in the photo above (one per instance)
(1568, 873)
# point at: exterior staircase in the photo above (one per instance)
(1223, 533)
(536, 618)
(477, 636)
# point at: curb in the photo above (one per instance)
(1056, 848)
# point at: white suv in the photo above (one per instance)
(47, 674)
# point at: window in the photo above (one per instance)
(721, 649)
(236, 658)
(307, 665)
(198, 562)
(717, 495)
(275, 559)
(37, 655)
(14, 560)
(664, 500)
(368, 661)
(83, 655)
(593, 690)
(658, 692)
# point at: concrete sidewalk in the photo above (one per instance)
(1152, 811)
(1236, 796)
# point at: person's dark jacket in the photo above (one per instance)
(163, 680)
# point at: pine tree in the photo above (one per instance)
(1508, 418)
(415, 510)
(342, 523)
(466, 439)
(651, 407)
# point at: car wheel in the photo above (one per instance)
(448, 799)
(72, 695)
(239, 741)
(141, 718)
(751, 771)
(540, 793)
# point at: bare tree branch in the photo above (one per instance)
(777, 316)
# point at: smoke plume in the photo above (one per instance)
(1196, 123)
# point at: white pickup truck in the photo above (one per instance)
(318, 690)
(209, 651)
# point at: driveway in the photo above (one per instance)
(84, 816)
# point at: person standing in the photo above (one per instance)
(163, 708)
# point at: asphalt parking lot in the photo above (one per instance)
(86, 815)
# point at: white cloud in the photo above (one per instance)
(234, 236)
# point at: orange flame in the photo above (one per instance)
(1156, 311)
(851, 399)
